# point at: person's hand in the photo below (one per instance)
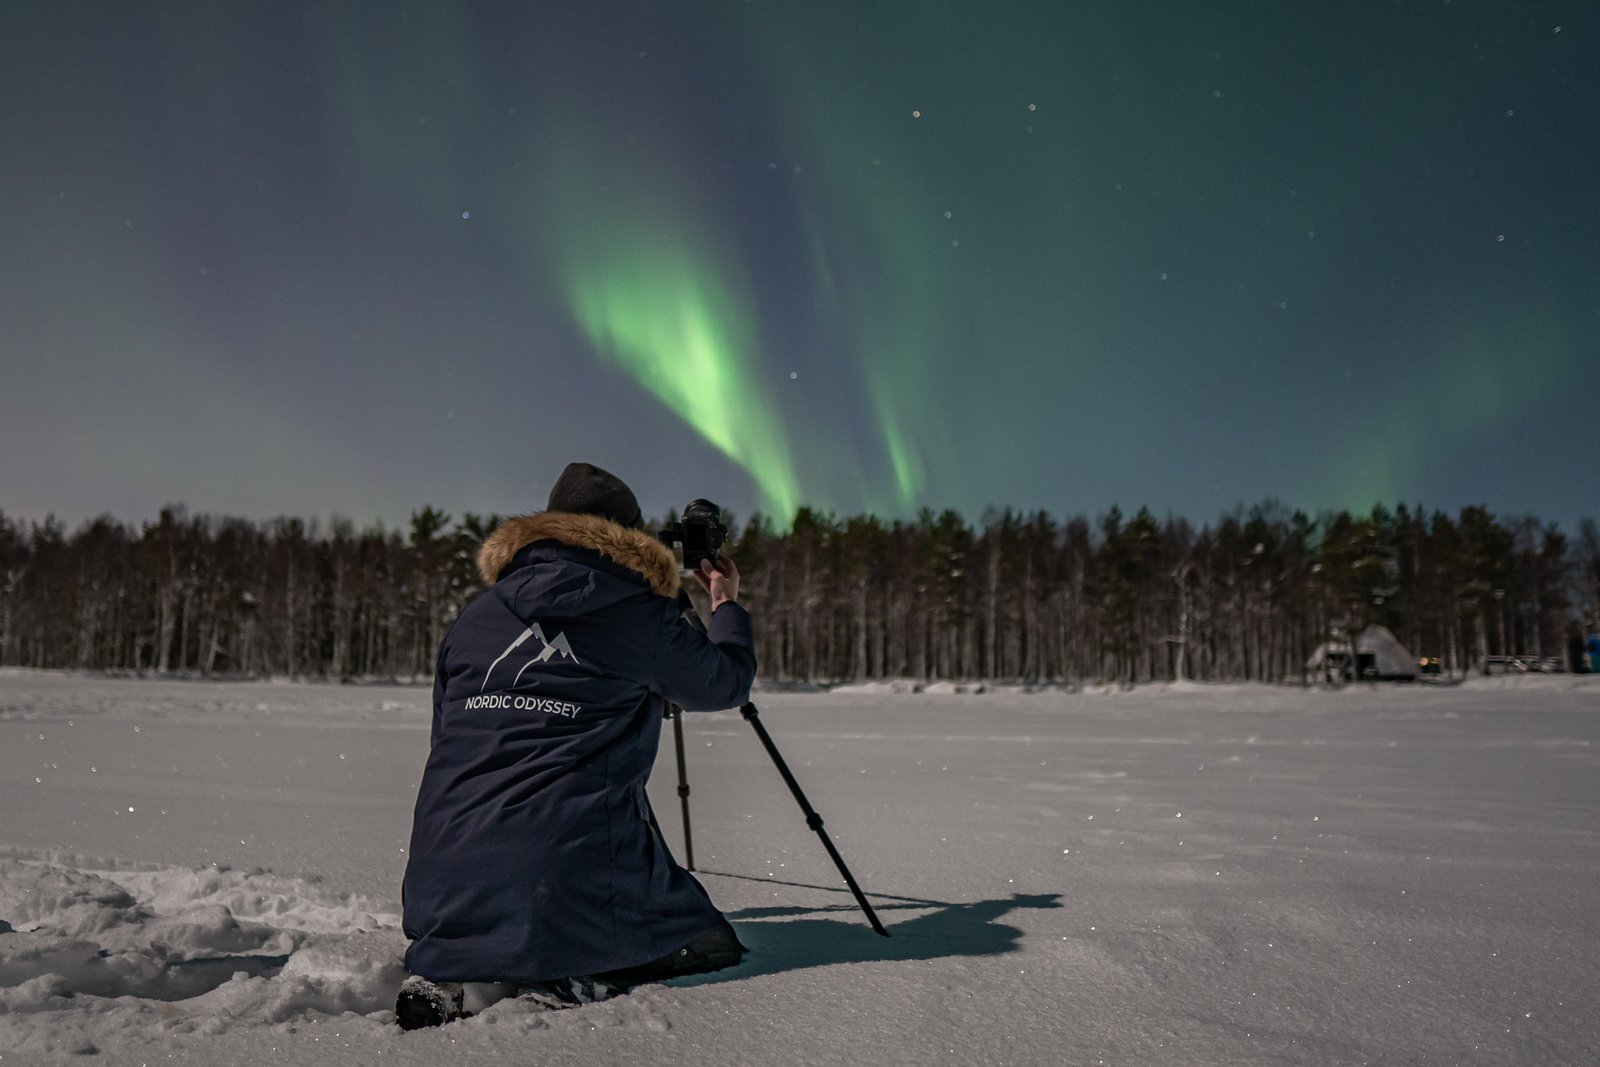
(721, 580)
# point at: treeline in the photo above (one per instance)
(211, 596)
(1017, 598)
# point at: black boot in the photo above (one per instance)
(423, 1003)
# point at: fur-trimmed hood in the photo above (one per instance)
(633, 549)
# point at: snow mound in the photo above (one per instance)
(955, 688)
(93, 953)
(896, 686)
(892, 686)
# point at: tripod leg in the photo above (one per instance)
(676, 714)
(752, 715)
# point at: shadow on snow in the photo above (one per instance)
(791, 938)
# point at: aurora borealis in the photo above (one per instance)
(358, 258)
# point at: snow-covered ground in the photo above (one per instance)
(208, 873)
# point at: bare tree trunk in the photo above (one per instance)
(165, 625)
(858, 653)
(185, 612)
(9, 652)
(1481, 634)
(86, 628)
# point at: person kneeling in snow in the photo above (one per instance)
(536, 868)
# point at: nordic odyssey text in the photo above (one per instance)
(503, 701)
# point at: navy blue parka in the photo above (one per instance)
(533, 852)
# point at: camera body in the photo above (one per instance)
(700, 531)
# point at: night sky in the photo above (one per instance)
(356, 258)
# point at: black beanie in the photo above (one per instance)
(584, 489)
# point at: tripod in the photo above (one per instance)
(752, 715)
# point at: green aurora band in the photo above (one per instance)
(637, 272)
(662, 313)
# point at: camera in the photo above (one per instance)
(700, 531)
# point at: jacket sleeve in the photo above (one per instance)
(705, 671)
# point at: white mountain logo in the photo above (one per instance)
(551, 647)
